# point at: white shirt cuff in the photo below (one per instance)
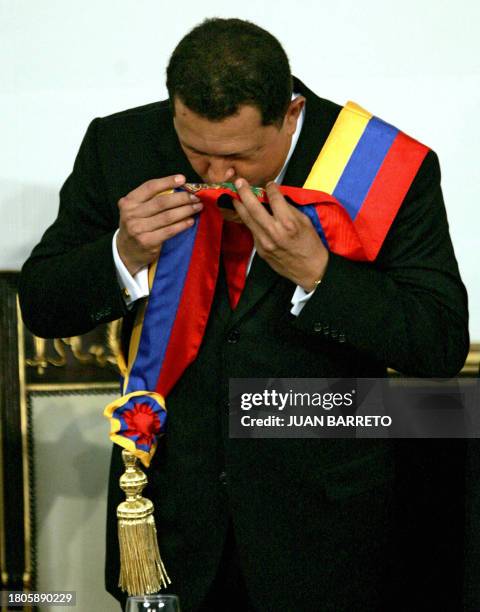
(299, 299)
(133, 287)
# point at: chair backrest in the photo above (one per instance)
(54, 456)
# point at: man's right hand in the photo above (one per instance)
(148, 217)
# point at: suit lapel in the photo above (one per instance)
(320, 116)
(260, 280)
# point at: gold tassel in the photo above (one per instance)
(141, 568)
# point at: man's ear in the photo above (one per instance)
(293, 113)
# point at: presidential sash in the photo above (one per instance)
(352, 195)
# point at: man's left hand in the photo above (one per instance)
(285, 239)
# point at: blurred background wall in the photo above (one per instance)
(415, 64)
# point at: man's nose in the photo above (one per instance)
(220, 170)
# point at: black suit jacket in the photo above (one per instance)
(310, 516)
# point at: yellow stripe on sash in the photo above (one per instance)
(137, 327)
(338, 148)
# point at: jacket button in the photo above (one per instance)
(317, 327)
(222, 477)
(234, 336)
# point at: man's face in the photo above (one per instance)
(238, 146)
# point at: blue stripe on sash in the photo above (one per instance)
(363, 165)
(162, 308)
(311, 213)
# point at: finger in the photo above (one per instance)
(157, 237)
(146, 191)
(165, 218)
(281, 209)
(258, 233)
(253, 207)
(229, 174)
(164, 202)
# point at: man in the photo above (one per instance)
(254, 524)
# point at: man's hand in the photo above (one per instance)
(148, 217)
(286, 239)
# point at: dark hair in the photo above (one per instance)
(223, 64)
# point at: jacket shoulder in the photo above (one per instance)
(138, 112)
(135, 124)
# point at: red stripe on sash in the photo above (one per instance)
(303, 197)
(388, 191)
(195, 303)
(340, 231)
(237, 246)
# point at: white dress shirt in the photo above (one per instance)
(136, 287)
